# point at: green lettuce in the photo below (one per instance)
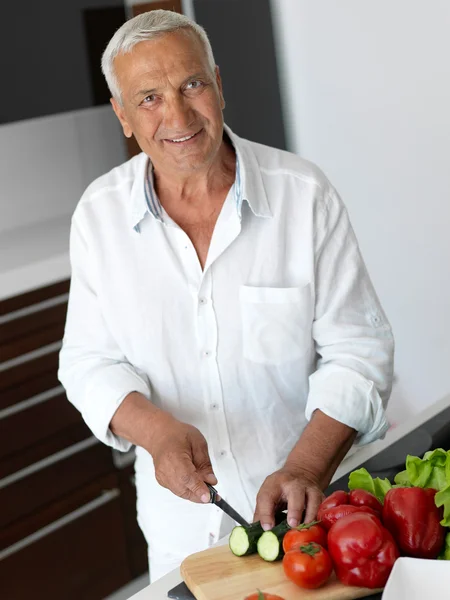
(362, 480)
(431, 471)
(402, 479)
(445, 552)
(442, 498)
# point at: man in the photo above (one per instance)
(220, 315)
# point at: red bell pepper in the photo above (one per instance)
(363, 498)
(362, 550)
(332, 515)
(413, 518)
(340, 504)
(335, 499)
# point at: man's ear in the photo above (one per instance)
(120, 114)
(219, 85)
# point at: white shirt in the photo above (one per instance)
(283, 319)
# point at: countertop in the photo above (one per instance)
(433, 418)
(34, 256)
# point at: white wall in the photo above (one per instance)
(367, 95)
(46, 163)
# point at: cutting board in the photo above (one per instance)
(216, 574)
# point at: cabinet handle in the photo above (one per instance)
(49, 460)
(104, 498)
(30, 402)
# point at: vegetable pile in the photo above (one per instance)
(360, 534)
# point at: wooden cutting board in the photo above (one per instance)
(216, 574)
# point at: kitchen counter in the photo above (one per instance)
(34, 256)
(435, 420)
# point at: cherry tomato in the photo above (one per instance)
(363, 498)
(338, 512)
(309, 567)
(335, 499)
(303, 535)
(263, 596)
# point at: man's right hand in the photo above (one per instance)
(181, 459)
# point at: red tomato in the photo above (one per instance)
(295, 538)
(363, 498)
(263, 596)
(335, 499)
(309, 567)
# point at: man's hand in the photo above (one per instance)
(292, 488)
(179, 451)
(300, 483)
(181, 459)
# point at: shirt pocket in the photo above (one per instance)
(276, 323)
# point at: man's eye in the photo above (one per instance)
(193, 85)
(149, 99)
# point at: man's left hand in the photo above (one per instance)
(291, 487)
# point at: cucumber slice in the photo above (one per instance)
(243, 540)
(270, 544)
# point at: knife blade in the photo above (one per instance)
(227, 509)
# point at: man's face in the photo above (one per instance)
(169, 93)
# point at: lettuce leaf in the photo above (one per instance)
(362, 480)
(402, 479)
(429, 471)
(442, 498)
(445, 552)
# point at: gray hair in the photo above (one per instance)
(148, 26)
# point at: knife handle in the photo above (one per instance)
(213, 493)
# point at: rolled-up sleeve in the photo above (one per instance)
(95, 373)
(353, 338)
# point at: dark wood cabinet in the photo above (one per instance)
(68, 524)
(136, 544)
(80, 555)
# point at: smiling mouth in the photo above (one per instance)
(183, 140)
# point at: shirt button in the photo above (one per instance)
(214, 406)
(207, 353)
(376, 320)
(223, 453)
(203, 300)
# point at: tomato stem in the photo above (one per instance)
(306, 525)
(311, 549)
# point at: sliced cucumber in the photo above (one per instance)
(243, 540)
(270, 544)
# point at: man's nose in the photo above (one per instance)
(178, 115)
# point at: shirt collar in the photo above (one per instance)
(248, 185)
(138, 201)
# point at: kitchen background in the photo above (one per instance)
(362, 89)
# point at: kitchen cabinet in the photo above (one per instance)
(68, 524)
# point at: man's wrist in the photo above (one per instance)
(159, 422)
(303, 470)
(139, 421)
(316, 456)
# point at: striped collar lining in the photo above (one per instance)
(154, 205)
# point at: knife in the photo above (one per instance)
(227, 509)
